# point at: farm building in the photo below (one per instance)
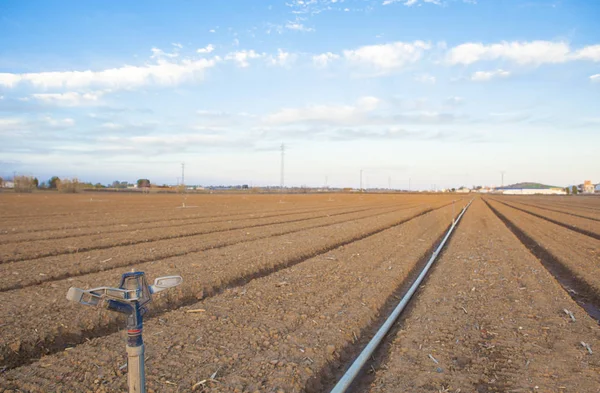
(530, 189)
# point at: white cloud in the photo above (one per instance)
(297, 26)
(425, 78)
(387, 57)
(324, 114)
(9, 124)
(111, 126)
(410, 3)
(482, 76)
(241, 57)
(69, 98)
(207, 49)
(158, 53)
(591, 52)
(212, 31)
(177, 44)
(126, 77)
(324, 59)
(9, 80)
(454, 101)
(595, 78)
(59, 123)
(282, 59)
(532, 53)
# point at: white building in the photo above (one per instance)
(530, 189)
(533, 191)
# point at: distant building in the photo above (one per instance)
(463, 190)
(588, 187)
(7, 184)
(530, 189)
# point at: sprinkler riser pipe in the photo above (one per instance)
(136, 374)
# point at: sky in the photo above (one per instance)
(426, 93)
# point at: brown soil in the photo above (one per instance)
(584, 207)
(283, 329)
(38, 320)
(291, 291)
(578, 253)
(582, 225)
(492, 317)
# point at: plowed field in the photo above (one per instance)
(286, 290)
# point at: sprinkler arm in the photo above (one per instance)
(162, 283)
(97, 296)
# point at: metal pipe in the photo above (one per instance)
(351, 374)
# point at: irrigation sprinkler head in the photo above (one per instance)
(132, 289)
(129, 298)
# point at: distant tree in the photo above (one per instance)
(574, 190)
(36, 182)
(23, 183)
(70, 186)
(1, 182)
(98, 185)
(453, 189)
(53, 182)
(118, 184)
(143, 183)
(567, 190)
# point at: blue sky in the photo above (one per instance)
(442, 92)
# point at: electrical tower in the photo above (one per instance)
(281, 182)
(182, 172)
(361, 182)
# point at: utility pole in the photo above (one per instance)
(389, 182)
(502, 173)
(281, 182)
(182, 172)
(409, 184)
(326, 178)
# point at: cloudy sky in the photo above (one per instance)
(442, 92)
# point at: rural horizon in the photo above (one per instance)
(439, 91)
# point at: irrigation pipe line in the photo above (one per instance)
(351, 374)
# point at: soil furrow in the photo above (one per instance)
(92, 228)
(489, 319)
(572, 226)
(580, 290)
(124, 227)
(40, 250)
(206, 274)
(17, 275)
(275, 332)
(545, 207)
